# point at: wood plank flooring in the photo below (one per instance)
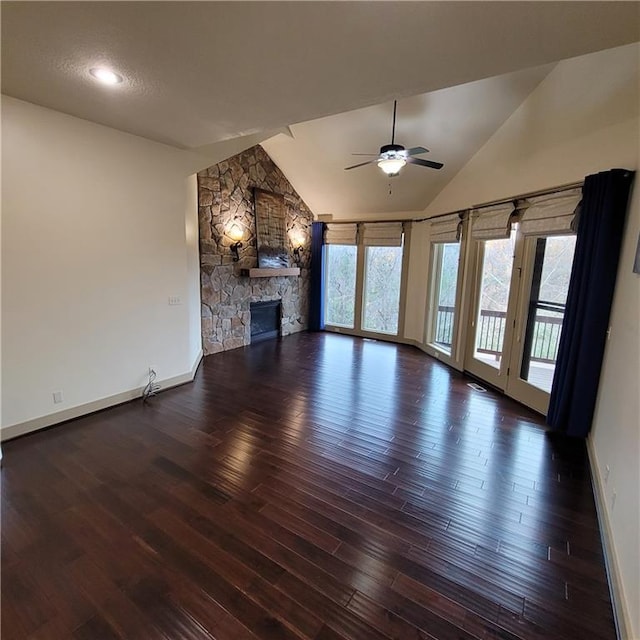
(319, 487)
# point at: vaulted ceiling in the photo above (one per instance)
(198, 73)
(452, 123)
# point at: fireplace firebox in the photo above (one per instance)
(265, 320)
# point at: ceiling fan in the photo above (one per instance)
(393, 157)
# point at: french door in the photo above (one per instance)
(519, 294)
(491, 317)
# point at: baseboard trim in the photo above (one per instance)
(620, 611)
(22, 428)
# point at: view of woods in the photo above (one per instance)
(496, 274)
(556, 268)
(494, 295)
(340, 284)
(447, 257)
(383, 269)
(381, 295)
(449, 254)
(557, 261)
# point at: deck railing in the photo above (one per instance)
(444, 325)
(546, 333)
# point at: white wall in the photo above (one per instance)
(99, 228)
(418, 267)
(93, 246)
(615, 437)
(193, 267)
(583, 118)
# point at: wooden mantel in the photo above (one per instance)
(270, 273)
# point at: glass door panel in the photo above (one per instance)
(493, 289)
(549, 288)
(381, 296)
(340, 285)
(446, 258)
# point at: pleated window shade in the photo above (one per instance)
(341, 234)
(551, 213)
(382, 234)
(446, 228)
(491, 223)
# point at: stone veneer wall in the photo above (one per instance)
(225, 198)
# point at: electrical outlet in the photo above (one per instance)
(57, 397)
(175, 300)
(607, 471)
(614, 495)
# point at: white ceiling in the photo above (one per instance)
(452, 123)
(197, 73)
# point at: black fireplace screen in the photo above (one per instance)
(265, 320)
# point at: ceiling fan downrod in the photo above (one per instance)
(393, 126)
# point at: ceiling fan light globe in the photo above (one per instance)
(391, 166)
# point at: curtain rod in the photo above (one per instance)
(530, 194)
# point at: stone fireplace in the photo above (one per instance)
(225, 198)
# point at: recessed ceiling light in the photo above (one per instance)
(106, 76)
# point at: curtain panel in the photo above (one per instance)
(591, 288)
(316, 279)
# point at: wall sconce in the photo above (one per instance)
(235, 233)
(297, 240)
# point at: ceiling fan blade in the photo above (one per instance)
(365, 154)
(414, 151)
(425, 163)
(355, 166)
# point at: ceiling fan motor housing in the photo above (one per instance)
(391, 150)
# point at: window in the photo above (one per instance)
(381, 303)
(340, 285)
(446, 258)
(363, 275)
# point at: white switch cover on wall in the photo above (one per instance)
(57, 397)
(174, 300)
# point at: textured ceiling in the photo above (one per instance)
(199, 75)
(199, 72)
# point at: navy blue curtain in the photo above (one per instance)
(593, 279)
(316, 291)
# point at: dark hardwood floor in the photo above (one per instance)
(316, 487)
